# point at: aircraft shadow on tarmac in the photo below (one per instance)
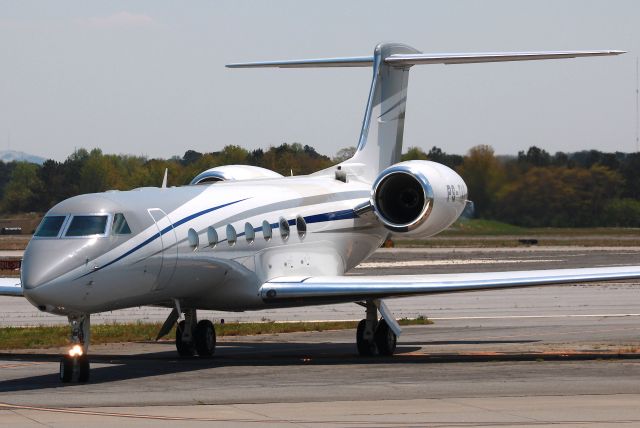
(108, 368)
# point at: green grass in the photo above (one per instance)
(57, 336)
(479, 233)
(482, 227)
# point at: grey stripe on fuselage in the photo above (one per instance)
(292, 203)
(276, 206)
(282, 205)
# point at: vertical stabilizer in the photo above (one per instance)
(380, 143)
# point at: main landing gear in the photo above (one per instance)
(74, 366)
(193, 336)
(373, 336)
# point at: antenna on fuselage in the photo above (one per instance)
(164, 180)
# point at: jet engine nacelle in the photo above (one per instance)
(418, 198)
(233, 173)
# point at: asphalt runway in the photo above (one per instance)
(567, 356)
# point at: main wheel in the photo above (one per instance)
(185, 349)
(83, 368)
(385, 339)
(365, 347)
(205, 338)
(66, 369)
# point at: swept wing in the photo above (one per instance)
(305, 290)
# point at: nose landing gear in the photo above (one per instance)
(75, 364)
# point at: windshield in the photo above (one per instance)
(50, 226)
(87, 225)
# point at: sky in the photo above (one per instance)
(148, 77)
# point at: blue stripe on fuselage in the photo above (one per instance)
(316, 218)
(162, 232)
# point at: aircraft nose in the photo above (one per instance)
(34, 271)
(45, 260)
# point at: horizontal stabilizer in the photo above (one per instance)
(405, 60)
(468, 58)
(356, 61)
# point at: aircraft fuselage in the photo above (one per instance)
(158, 262)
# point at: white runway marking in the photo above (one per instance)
(489, 317)
(505, 317)
(452, 262)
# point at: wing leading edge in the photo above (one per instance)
(10, 287)
(304, 290)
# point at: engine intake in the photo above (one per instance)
(402, 198)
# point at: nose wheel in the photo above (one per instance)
(74, 366)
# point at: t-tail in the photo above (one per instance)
(380, 143)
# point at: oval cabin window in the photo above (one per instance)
(249, 233)
(266, 230)
(231, 235)
(301, 225)
(284, 228)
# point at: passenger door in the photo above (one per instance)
(164, 259)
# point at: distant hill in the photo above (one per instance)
(14, 155)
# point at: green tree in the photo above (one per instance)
(622, 213)
(559, 197)
(344, 154)
(414, 153)
(23, 189)
(484, 175)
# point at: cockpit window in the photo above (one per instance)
(87, 225)
(120, 225)
(50, 226)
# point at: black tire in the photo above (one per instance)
(205, 338)
(83, 368)
(366, 348)
(185, 349)
(66, 369)
(385, 339)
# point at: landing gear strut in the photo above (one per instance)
(193, 336)
(373, 336)
(74, 366)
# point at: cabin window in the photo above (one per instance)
(87, 225)
(50, 226)
(120, 225)
(284, 228)
(266, 230)
(212, 236)
(301, 225)
(231, 235)
(249, 233)
(193, 238)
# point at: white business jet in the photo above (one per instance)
(244, 238)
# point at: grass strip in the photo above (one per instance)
(56, 336)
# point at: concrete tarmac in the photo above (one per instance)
(567, 356)
(550, 300)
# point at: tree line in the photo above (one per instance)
(537, 189)
(534, 188)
